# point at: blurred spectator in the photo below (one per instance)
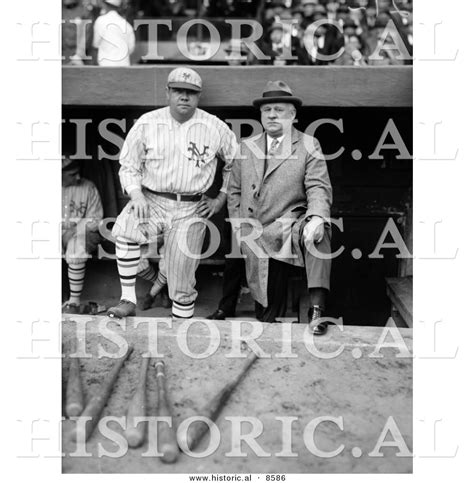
(320, 12)
(78, 17)
(409, 31)
(331, 10)
(389, 53)
(156, 8)
(352, 53)
(276, 44)
(236, 49)
(243, 8)
(114, 37)
(357, 16)
(343, 15)
(309, 11)
(278, 7)
(271, 14)
(216, 8)
(349, 29)
(327, 40)
(297, 30)
(370, 17)
(362, 22)
(370, 37)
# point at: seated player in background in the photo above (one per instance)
(81, 214)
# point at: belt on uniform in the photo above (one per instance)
(176, 196)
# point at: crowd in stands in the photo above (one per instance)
(357, 27)
(295, 32)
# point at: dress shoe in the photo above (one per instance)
(314, 320)
(124, 308)
(217, 315)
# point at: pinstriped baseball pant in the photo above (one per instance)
(183, 236)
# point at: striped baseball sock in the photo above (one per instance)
(182, 311)
(128, 256)
(76, 273)
(159, 283)
(150, 273)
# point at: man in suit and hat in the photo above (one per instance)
(279, 201)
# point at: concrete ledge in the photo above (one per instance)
(227, 86)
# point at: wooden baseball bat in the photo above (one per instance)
(167, 442)
(74, 394)
(135, 433)
(96, 403)
(212, 410)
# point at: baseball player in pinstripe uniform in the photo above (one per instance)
(167, 162)
(82, 211)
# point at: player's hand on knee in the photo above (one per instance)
(314, 230)
(208, 207)
(67, 235)
(139, 206)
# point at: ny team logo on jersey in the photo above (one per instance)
(196, 155)
(77, 209)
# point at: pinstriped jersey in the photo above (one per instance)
(164, 155)
(81, 201)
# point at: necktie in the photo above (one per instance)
(271, 153)
(273, 147)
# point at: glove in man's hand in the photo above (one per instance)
(314, 230)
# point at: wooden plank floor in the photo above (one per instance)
(364, 391)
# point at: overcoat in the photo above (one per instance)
(270, 208)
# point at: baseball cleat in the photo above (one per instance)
(71, 309)
(124, 308)
(147, 302)
(165, 299)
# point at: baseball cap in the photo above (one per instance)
(185, 78)
(68, 164)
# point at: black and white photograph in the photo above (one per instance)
(229, 229)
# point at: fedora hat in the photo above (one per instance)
(277, 91)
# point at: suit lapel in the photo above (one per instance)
(286, 148)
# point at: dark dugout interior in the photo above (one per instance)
(367, 193)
